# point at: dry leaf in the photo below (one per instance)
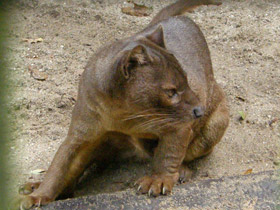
(271, 122)
(38, 171)
(137, 10)
(240, 98)
(32, 41)
(38, 75)
(249, 171)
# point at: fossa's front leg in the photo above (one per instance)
(167, 160)
(70, 161)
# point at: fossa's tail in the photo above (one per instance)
(181, 7)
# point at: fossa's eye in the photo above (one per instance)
(171, 93)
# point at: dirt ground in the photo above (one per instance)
(243, 37)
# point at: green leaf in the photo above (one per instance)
(242, 115)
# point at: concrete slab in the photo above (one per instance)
(259, 191)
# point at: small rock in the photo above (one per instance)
(38, 75)
(98, 17)
(54, 13)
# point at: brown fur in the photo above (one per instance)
(156, 86)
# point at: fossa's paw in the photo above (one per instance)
(156, 184)
(28, 188)
(24, 202)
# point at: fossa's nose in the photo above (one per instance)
(198, 112)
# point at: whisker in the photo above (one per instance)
(150, 118)
(174, 122)
(152, 123)
(146, 112)
(144, 116)
(154, 110)
(159, 123)
(147, 123)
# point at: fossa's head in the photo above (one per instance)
(153, 86)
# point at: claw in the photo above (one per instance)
(39, 204)
(181, 180)
(21, 207)
(150, 192)
(139, 188)
(163, 191)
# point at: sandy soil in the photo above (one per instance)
(243, 38)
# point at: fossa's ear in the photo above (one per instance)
(157, 37)
(138, 56)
